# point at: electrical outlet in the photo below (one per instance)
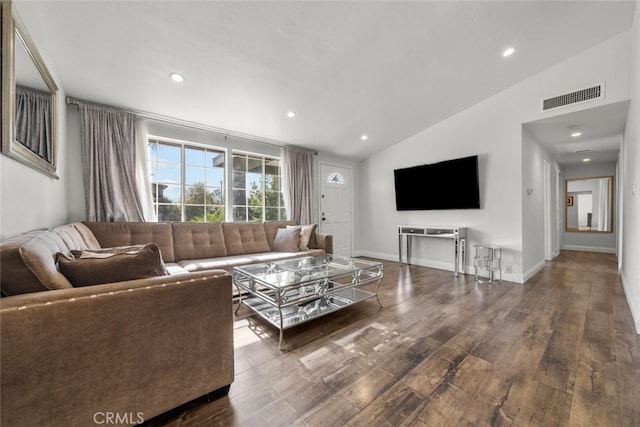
(507, 269)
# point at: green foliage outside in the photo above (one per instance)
(272, 200)
(196, 196)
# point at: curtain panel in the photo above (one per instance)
(33, 121)
(298, 185)
(604, 201)
(109, 164)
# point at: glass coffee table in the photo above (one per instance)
(289, 292)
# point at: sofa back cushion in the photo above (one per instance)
(29, 260)
(39, 255)
(245, 238)
(198, 240)
(112, 234)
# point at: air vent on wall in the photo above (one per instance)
(582, 95)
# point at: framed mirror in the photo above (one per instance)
(29, 98)
(589, 205)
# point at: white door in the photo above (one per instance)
(335, 206)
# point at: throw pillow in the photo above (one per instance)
(287, 240)
(306, 232)
(96, 266)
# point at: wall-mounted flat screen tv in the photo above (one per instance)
(451, 184)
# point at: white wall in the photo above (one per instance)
(585, 241)
(630, 183)
(493, 130)
(533, 158)
(30, 199)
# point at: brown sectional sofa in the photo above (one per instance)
(130, 350)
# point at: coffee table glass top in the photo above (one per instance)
(297, 271)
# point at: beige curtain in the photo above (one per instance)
(298, 185)
(109, 164)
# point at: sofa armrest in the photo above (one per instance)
(324, 241)
(135, 348)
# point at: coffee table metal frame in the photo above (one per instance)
(290, 292)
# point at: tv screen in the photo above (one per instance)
(451, 184)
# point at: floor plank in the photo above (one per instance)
(443, 351)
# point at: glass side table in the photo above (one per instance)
(489, 258)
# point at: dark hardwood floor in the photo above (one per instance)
(560, 350)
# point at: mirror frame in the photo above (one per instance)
(566, 204)
(13, 28)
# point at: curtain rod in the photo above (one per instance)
(171, 120)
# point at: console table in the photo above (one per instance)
(457, 234)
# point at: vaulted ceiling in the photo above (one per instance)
(381, 68)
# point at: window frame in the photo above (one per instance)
(227, 189)
(281, 208)
(183, 205)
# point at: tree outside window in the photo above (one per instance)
(187, 182)
(257, 191)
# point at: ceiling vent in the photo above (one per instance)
(588, 94)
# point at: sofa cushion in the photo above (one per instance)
(307, 232)
(271, 228)
(15, 277)
(245, 238)
(194, 240)
(113, 234)
(28, 260)
(39, 255)
(77, 236)
(287, 239)
(93, 267)
(227, 263)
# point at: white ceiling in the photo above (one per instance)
(385, 69)
(601, 130)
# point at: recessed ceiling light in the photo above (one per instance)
(364, 137)
(576, 134)
(176, 77)
(508, 52)
(291, 114)
(586, 159)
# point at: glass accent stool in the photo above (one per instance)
(489, 258)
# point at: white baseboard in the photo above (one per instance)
(589, 249)
(532, 271)
(628, 290)
(377, 255)
(448, 266)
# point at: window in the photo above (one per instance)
(187, 182)
(257, 190)
(335, 178)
